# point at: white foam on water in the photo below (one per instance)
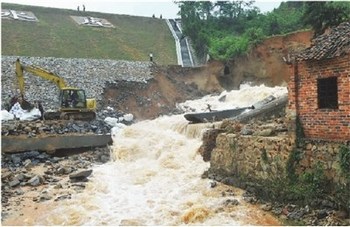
(244, 97)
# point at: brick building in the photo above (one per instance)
(319, 86)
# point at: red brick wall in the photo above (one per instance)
(327, 124)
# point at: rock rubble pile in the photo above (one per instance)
(40, 128)
(59, 178)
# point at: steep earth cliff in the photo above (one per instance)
(265, 63)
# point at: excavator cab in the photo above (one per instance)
(75, 105)
(73, 98)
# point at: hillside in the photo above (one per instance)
(56, 34)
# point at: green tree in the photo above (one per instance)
(322, 15)
(193, 22)
(223, 49)
(228, 28)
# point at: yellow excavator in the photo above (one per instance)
(73, 102)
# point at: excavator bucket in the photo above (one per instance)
(25, 105)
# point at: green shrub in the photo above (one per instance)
(344, 160)
(294, 158)
(228, 47)
(254, 36)
(315, 181)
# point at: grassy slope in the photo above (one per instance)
(57, 35)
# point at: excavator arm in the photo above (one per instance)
(20, 78)
(38, 72)
(59, 81)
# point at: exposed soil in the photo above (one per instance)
(170, 85)
(265, 63)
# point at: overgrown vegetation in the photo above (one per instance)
(344, 160)
(303, 189)
(324, 14)
(313, 184)
(342, 190)
(264, 157)
(57, 35)
(224, 29)
(293, 160)
(299, 131)
(309, 187)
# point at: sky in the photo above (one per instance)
(166, 8)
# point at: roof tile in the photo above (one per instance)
(331, 45)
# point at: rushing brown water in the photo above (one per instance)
(154, 178)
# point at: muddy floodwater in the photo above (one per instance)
(154, 178)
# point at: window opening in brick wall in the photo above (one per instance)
(327, 93)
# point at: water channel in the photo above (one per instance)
(154, 177)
